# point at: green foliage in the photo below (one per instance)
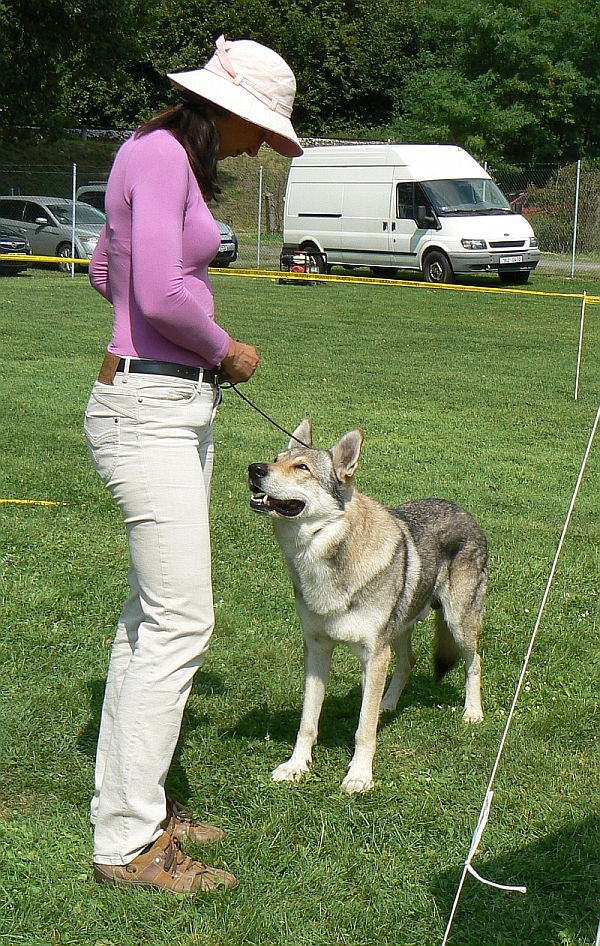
(511, 81)
(70, 62)
(514, 82)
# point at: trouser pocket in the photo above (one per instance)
(102, 427)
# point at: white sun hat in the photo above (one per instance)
(253, 82)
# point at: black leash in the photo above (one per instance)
(263, 414)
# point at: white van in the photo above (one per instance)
(389, 207)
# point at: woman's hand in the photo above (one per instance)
(240, 362)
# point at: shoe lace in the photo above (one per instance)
(176, 862)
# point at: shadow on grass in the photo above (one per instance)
(562, 876)
(339, 717)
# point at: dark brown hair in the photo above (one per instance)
(191, 122)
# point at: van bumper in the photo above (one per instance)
(509, 261)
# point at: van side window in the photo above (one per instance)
(405, 202)
(12, 209)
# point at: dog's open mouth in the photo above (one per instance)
(284, 507)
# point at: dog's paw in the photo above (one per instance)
(355, 783)
(290, 771)
(388, 705)
(472, 715)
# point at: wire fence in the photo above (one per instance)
(561, 203)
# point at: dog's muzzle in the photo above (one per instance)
(263, 503)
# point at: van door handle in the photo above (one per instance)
(394, 226)
(384, 225)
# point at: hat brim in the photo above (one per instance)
(234, 98)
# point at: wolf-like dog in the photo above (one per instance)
(363, 575)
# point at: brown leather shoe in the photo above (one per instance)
(180, 824)
(163, 866)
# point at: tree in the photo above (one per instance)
(514, 81)
(62, 58)
(518, 80)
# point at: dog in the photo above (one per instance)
(363, 575)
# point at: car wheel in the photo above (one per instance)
(514, 279)
(64, 250)
(437, 268)
(315, 257)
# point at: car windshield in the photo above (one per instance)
(476, 196)
(84, 214)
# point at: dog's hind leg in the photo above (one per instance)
(453, 639)
(360, 771)
(317, 662)
(405, 661)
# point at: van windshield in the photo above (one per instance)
(476, 196)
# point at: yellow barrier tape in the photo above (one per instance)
(31, 502)
(322, 277)
(17, 257)
(368, 281)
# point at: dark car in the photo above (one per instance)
(93, 193)
(228, 251)
(15, 243)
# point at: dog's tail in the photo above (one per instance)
(445, 649)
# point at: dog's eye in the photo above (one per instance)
(303, 466)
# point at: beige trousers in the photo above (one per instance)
(150, 439)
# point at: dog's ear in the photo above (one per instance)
(302, 435)
(346, 453)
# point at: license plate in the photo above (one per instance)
(510, 259)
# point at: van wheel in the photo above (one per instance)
(317, 258)
(514, 279)
(64, 250)
(437, 268)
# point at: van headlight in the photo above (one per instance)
(474, 244)
(533, 241)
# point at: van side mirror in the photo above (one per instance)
(41, 221)
(425, 221)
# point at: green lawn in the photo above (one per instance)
(462, 395)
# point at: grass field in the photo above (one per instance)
(462, 395)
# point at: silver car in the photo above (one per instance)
(47, 224)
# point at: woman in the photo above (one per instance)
(149, 430)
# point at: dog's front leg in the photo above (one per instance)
(360, 770)
(317, 662)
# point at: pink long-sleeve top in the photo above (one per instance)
(152, 258)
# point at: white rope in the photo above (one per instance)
(579, 347)
(485, 810)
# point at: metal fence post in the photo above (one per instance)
(73, 192)
(260, 184)
(575, 217)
